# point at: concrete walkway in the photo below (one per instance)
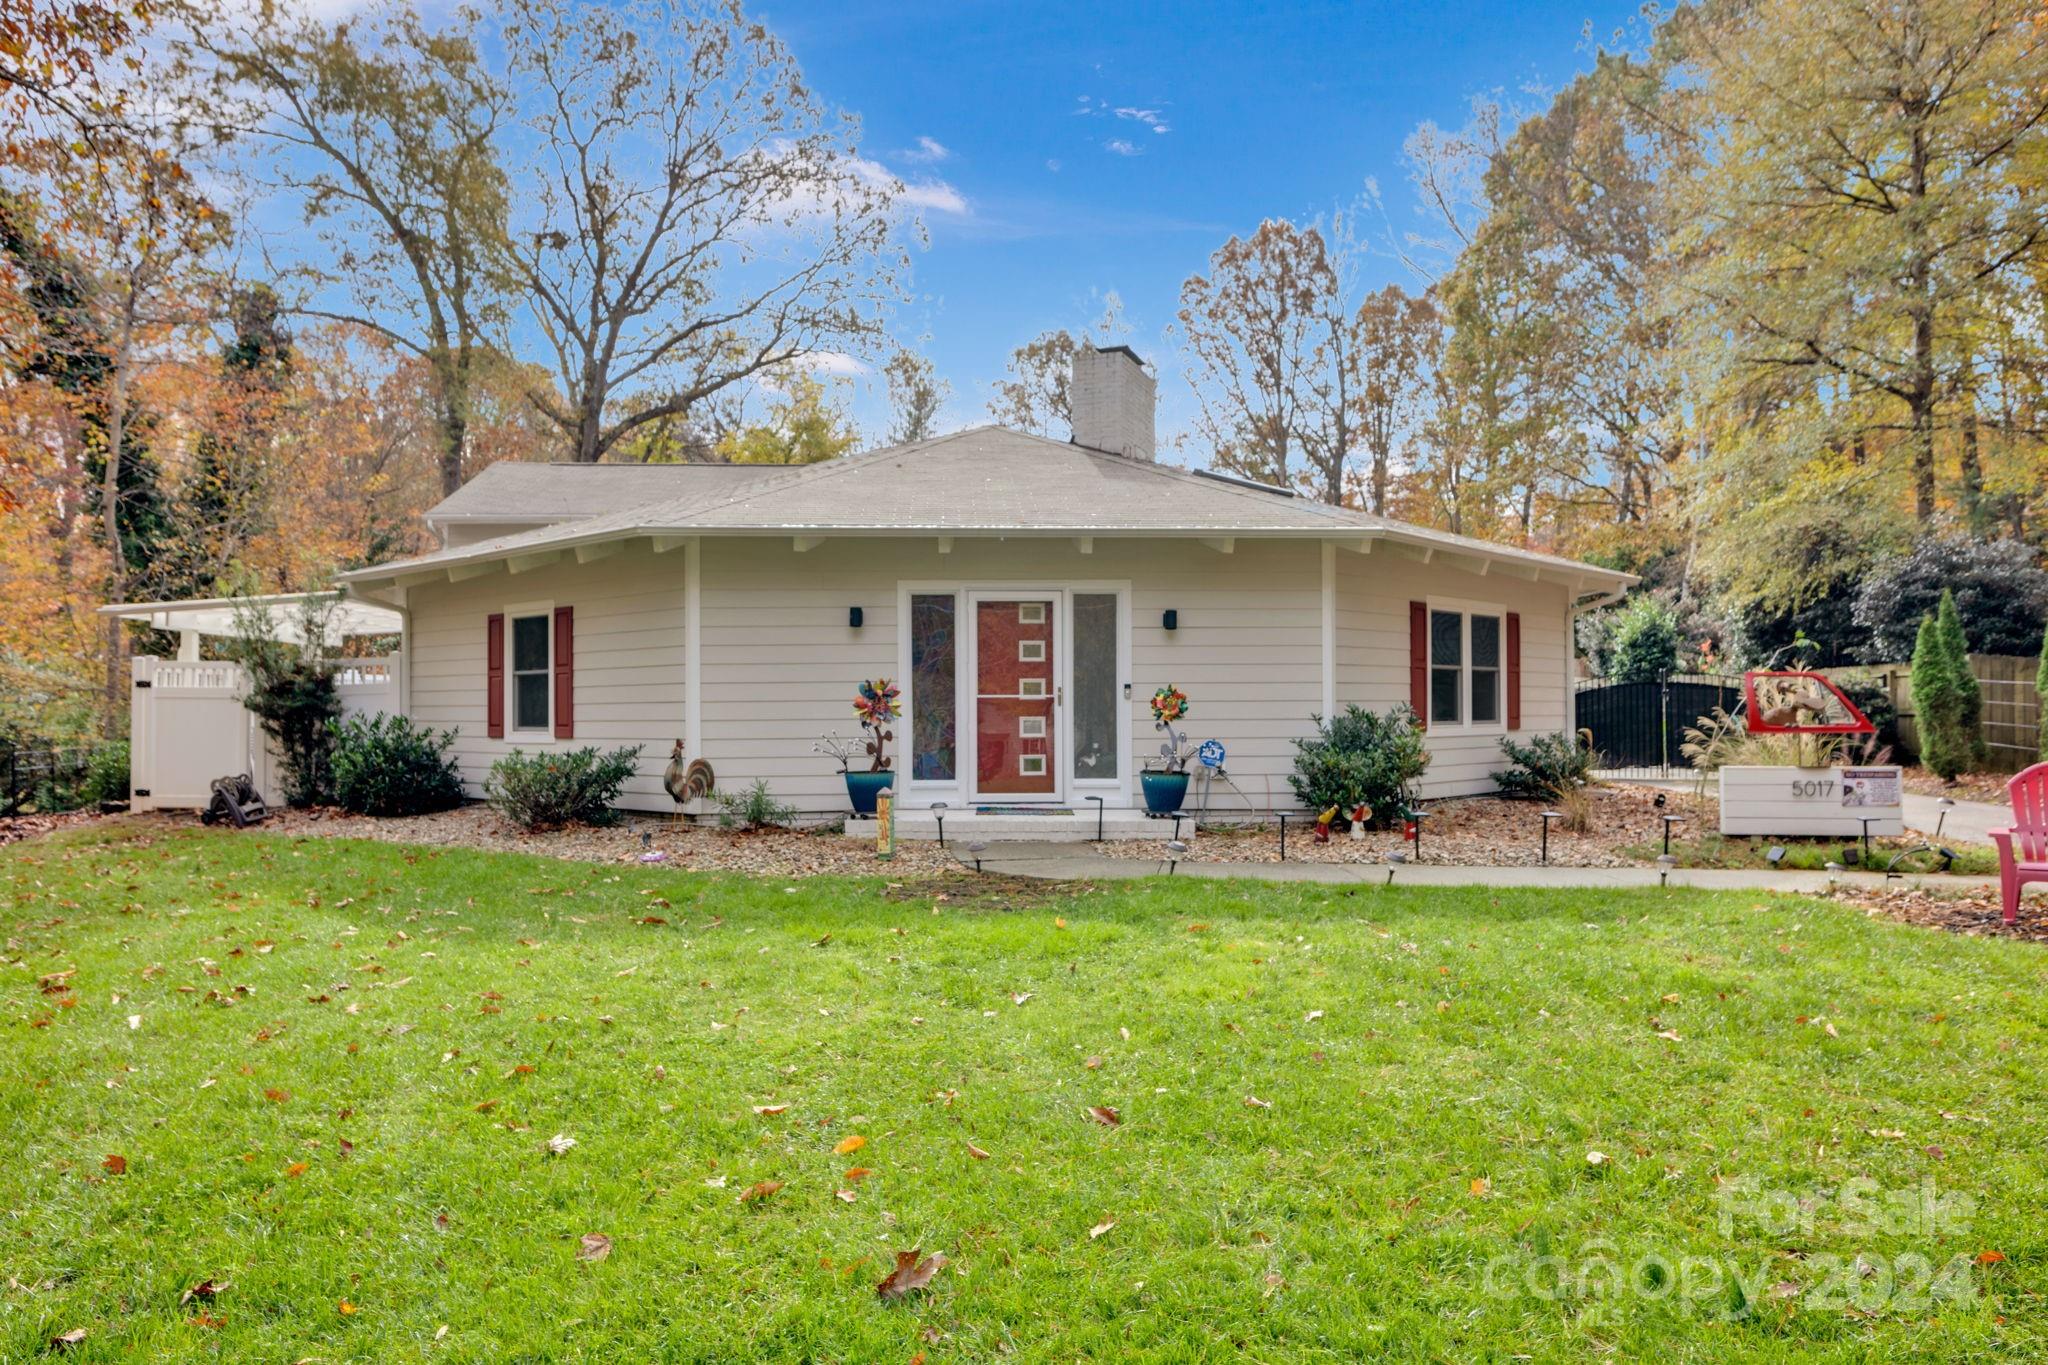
(1079, 862)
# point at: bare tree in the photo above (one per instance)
(1255, 328)
(386, 133)
(916, 394)
(691, 215)
(1392, 349)
(1034, 397)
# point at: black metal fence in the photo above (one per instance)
(44, 777)
(1638, 727)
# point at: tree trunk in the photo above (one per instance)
(1920, 400)
(1972, 475)
(110, 516)
(1379, 483)
(451, 378)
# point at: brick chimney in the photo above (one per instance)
(1113, 401)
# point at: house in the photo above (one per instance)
(1029, 595)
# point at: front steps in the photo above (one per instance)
(965, 826)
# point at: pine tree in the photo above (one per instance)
(1955, 646)
(1937, 705)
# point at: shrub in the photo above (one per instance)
(1938, 702)
(386, 765)
(1546, 767)
(1645, 642)
(2001, 596)
(1955, 645)
(106, 774)
(754, 808)
(1360, 758)
(547, 791)
(292, 693)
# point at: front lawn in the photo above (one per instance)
(327, 1074)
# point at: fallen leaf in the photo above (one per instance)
(857, 1173)
(770, 1110)
(1058, 923)
(1104, 1115)
(1671, 999)
(205, 1289)
(594, 1246)
(1596, 1158)
(1104, 1226)
(560, 1143)
(1670, 1035)
(1830, 1030)
(295, 1170)
(852, 1144)
(116, 1164)
(1254, 1102)
(847, 1196)
(757, 1192)
(1093, 1064)
(486, 1106)
(1311, 1016)
(276, 1096)
(911, 1274)
(1020, 998)
(70, 1338)
(1480, 1184)
(976, 1152)
(1990, 1257)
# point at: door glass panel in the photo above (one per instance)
(1014, 721)
(1095, 686)
(933, 702)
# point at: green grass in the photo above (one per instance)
(1493, 1037)
(1813, 855)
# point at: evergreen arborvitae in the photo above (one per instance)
(1938, 705)
(1956, 647)
(2041, 697)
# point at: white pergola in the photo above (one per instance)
(198, 617)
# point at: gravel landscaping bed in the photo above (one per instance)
(766, 853)
(1465, 832)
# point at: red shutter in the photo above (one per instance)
(494, 676)
(1418, 660)
(1514, 670)
(565, 672)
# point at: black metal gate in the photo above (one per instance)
(1638, 726)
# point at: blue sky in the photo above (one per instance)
(1046, 198)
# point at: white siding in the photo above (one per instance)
(780, 662)
(629, 659)
(1373, 593)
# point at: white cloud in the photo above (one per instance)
(928, 151)
(1120, 147)
(833, 363)
(1149, 117)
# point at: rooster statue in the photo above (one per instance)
(686, 782)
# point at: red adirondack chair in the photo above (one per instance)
(2023, 847)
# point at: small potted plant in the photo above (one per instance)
(1165, 778)
(875, 706)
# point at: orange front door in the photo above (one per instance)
(1016, 691)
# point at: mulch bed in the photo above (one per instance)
(1466, 831)
(15, 828)
(1958, 910)
(687, 848)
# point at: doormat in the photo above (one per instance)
(1022, 810)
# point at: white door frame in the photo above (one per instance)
(1116, 792)
(1062, 668)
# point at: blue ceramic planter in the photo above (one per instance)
(862, 788)
(1164, 792)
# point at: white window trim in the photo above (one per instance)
(546, 734)
(1466, 610)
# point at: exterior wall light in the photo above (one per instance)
(854, 617)
(1171, 620)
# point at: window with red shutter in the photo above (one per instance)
(1418, 660)
(1514, 670)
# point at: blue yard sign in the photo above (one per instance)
(1211, 753)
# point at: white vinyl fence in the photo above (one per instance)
(187, 726)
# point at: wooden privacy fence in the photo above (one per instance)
(2011, 725)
